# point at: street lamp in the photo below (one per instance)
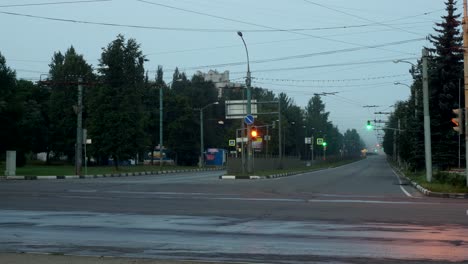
(249, 106)
(202, 144)
(427, 120)
(415, 96)
(161, 126)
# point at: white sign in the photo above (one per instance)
(237, 109)
(308, 140)
(239, 140)
(89, 141)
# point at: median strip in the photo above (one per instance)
(126, 174)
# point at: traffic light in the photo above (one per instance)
(369, 125)
(457, 121)
(253, 133)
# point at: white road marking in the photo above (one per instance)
(401, 187)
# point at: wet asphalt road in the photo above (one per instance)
(358, 213)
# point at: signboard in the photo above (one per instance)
(237, 109)
(308, 140)
(257, 143)
(320, 141)
(232, 142)
(239, 140)
(249, 120)
(267, 137)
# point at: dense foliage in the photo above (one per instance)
(121, 112)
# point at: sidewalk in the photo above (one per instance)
(14, 258)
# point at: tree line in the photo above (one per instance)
(445, 71)
(121, 111)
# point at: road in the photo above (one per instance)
(357, 213)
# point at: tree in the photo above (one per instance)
(64, 73)
(10, 110)
(445, 73)
(117, 120)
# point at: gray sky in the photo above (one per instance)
(28, 43)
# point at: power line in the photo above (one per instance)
(332, 80)
(56, 3)
(328, 65)
(359, 17)
(254, 24)
(302, 56)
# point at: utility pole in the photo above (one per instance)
(279, 136)
(248, 82)
(427, 119)
(79, 130)
(202, 143)
(465, 63)
(160, 127)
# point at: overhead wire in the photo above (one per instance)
(302, 56)
(359, 17)
(330, 65)
(55, 3)
(255, 24)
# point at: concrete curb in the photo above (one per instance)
(430, 193)
(129, 174)
(280, 175)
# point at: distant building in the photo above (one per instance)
(220, 80)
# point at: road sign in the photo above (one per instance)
(308, 140)
(249, 120)
(319, 141)
(232, 142)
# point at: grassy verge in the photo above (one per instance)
(436, 186)
(41, 170)
(305, 169)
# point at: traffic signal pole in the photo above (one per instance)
(465, 74)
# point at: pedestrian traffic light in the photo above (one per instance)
(369, 125)
(253, 133)
(324, 144)
(457, 121)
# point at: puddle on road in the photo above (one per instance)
(123, 234)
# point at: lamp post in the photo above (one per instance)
(427, 120)
(415, 97)
(249, 106)
(202, 144)
(161, 125)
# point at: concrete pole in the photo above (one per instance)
(312, 149)
(465, 63)
(79, 130)
(427, 119)
(248, 82)
(160, 127)
(398, 153)
(202, 144)
(395, 151)
(280, 149)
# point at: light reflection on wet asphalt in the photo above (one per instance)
(208, 237)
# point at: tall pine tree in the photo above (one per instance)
(445, 74)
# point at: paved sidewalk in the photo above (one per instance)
(14, 258)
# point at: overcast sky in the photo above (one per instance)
(357, 39)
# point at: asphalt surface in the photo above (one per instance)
(357, 213)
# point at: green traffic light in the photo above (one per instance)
(324, 144)
(369, 125)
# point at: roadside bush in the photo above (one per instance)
(454, 179)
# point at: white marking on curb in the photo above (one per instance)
(401, 187)
(228, 177)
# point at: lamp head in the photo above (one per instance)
(239, 33)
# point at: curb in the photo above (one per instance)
(127, 174)
(430, 193)
(280, 175)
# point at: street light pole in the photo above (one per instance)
(79, 130)
(202, 143)
(248, 81)
(427, 120)
(415, 97)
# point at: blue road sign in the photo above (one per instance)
(249, 119)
